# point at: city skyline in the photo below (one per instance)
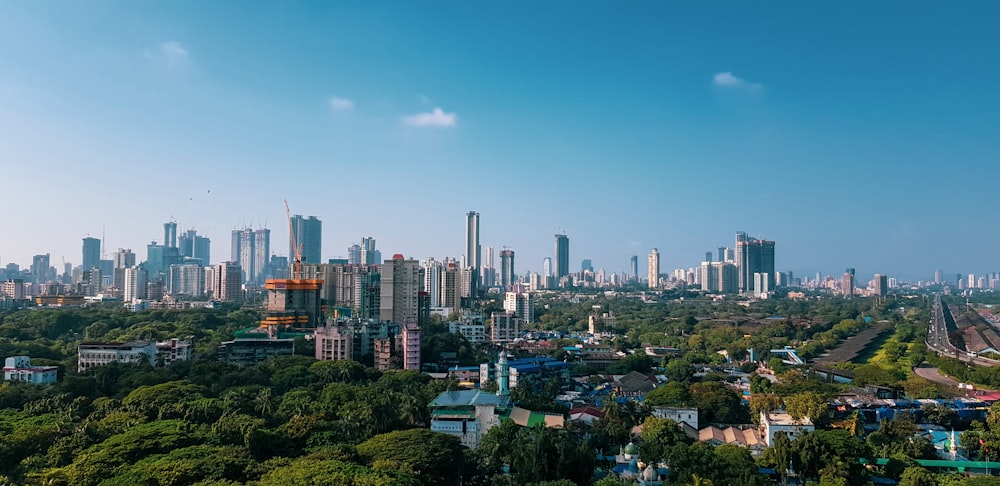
(846, 151)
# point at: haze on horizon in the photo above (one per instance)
(853, 134)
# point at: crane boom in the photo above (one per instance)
(296, 249)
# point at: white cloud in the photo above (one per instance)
(173, 51)
(436, 118)
(340, 104)
(728, 80)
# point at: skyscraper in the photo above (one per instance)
(722, 254)
(40, 268)
(489, 272)
(754, 256)
(308, 233)
(252, 251)
(633, 262)
(881, 285)
(708, 256)
(228, 282)
(562, 256)
(170, 234)
(506, 267)
(369, 255)
(847, 283)
(586, 265)
(473, 252)
(91, 253)
(653, 275)
(938, 276)
(547, 267)
(194, 246)
(135, 283)
(124, 258)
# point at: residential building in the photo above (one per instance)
(774, 422)
(187, 280)
(504, 327)
(14, 288)
(521, 303)
(170, 234)
(19, 368)
(881, 286)
(410, 338)
(432, 281)
(400, 288)
(40, 268)
(687, 415)
(473, 250)
(124, 258)
(633, 264)
(228, 282)
(653, 274)
(92, 354)
(474, 331)
(753, 256)
(847, 283)
(506, 268)
(252, 351)
(746, 436)
(334, 342)
(308, 233)
(134, 283)
(174, 349)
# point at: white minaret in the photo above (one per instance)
(503, 375)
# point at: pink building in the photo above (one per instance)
(334, 343)
(411, 347)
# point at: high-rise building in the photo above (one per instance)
(633, 263)
(722, 254)
(562, 256)
(451, 287)
(308, 233)
(489, 273)
(40, 268)
(718, 277)
(186, 279)
(881, 285)
(586, 265)
(400, 290)
(253, 254)
(170, 234)
(91, 253)
(124, 258)
(938, 276)
(194, 246)
(653, 272)
(432, 281)
(708, 256)
(228, 282)
(754, 256)
(847, 283)
(369, 255)
(506, 267)
(135, 283)
(547, 267)
(473, 252)
(521, 304)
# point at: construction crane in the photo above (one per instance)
(297, 266)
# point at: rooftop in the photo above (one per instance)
(467, 398)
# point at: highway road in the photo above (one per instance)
(937, 339)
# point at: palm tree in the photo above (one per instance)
(697, 480)
(262, 403)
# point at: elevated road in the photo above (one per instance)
(938, 341)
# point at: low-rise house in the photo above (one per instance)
(687, 415)
(773, 422)
(747, 436)
(18, 368)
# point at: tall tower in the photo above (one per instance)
(308, 232)
(170, 234)
(754, 256)
(473, 252)
(653, 275)
(562, 256)
(506, 268)
(91, 253)
(547, 266)
(633, 263)
(503, 375)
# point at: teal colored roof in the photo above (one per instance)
(468, 398)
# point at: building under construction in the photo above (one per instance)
(292, 304)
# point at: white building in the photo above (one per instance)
(653, 273)
(90, 355)
(135, 283)
(474, 332)
(18, 368)
(678, 414)
(186, 279)
(522, 304)
(174, 350)
(504, 328)
(334, 342)
(775, 422)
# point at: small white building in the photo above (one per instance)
(90, 355)
(775, 422)
(688, 415)
(175, 349)
(474, 332)
(18, 368)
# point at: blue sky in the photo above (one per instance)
(860, 134)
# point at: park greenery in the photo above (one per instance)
(295, 420)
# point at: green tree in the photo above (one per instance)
(809, 405)
(432, 458)
(917, 476)
(679, 370)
